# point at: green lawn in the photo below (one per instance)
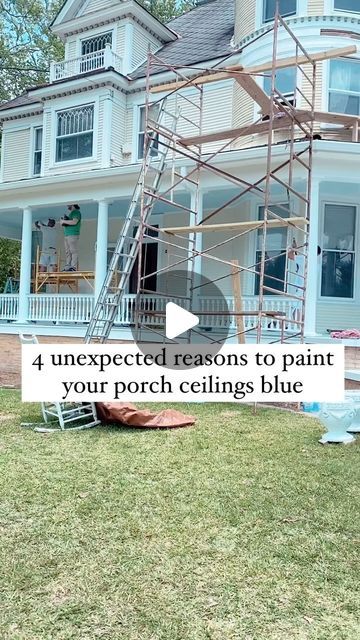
(242, 528)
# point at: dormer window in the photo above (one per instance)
(287, 8)
(347, 5)
(96, 43)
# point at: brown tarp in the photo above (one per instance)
(128, 415)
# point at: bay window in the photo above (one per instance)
(338, 255)
(287, 8)
(344, 86)
(74, 133)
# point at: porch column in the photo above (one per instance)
(101, 246)
(313, 263)
(25, 266)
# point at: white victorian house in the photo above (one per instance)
(79, 139)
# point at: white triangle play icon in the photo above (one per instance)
(178, 320)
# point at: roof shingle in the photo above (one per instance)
(205, 33)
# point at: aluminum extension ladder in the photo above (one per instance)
(62, 416)
(123, 260)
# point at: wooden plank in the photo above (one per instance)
(281, 63)
(239, 318)
(205, 78)
(236, 226)
(255, 92)
(280, 122)
(336, 118)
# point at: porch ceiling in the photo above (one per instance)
(11, 220)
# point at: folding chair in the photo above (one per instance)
(70, 416)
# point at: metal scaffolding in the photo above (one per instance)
(186, 102)
(179, 159)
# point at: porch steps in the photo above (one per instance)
(132, 234)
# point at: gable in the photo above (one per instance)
(80, 15)
(89, 6)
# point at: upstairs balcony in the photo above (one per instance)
(103, 59)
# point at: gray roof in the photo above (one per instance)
(205, 33)
(20, 101)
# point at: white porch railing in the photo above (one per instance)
(102, 59)
(9, 305)
(62, 308)
(284, 306)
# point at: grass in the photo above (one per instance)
(242, 528)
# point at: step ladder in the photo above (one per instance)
(12, 285)
(62, 416)
(128, 244)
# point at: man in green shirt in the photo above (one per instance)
(71, 224)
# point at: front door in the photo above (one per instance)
(149, 259)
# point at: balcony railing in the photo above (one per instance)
(103, 59)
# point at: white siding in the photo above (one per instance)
(16, 154)
(245, 18)
(119, 45)
(243, 114)
(96, 5)
(217, 111)
(47, 139)
(316, 8)
(71, 49)
(118, 132)
(142, 42)
(337, 315)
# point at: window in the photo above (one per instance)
(338, 255)
(38, 136)
(74, 135)
(276, 240)
(154, 114)
(287, 8)
(344, 86)
(347, 5)
(285, 82)
(97, 43)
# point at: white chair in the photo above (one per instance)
(70, 416)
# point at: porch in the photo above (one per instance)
(333, 288)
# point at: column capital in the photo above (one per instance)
(105, 201)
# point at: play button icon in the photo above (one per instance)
(185, 312)
(178, 321)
